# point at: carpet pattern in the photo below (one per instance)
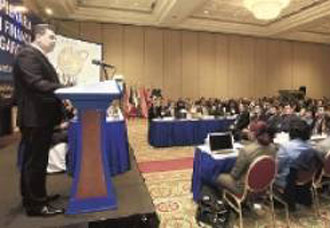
(170, 189)
(169, 165)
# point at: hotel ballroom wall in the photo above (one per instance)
(193, 64)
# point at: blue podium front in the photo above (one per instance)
(92, 189)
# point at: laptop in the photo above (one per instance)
(221, 143)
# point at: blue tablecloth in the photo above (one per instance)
(117, 146)
(207, 168)
(184, 132)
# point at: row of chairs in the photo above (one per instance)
(260, 178)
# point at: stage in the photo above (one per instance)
(135, 207)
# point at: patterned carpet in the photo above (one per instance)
(170, 190)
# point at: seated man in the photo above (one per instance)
(287, 117)
(242, 122)
(155, 109)
(263, 145)
(299, 134)
(59, 149)
(180, 109)
(323, 147)
(297, 155)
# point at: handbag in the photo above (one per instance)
(212, 210)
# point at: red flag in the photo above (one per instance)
(147, 95)
(143, 103)
(127, 105)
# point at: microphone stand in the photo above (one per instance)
(106, 75)
(113, 72)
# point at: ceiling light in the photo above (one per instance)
(206, 12)
(49, 11)
(266, 9)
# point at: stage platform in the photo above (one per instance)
(135, 207)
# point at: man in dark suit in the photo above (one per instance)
(39, 110)
(242, 122)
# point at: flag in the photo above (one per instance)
(143, 103)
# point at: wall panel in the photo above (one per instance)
(325, 74)
(134, 55)
(172, 76)
(309, 69)
(260, 85)
(193, 64)
(113, 43)
(273, 70)
(284, 63)
(68, 28)
(207, 64)
(91, 32)
(221, 64)
(241, 67)
(153, 58)
(190, 68)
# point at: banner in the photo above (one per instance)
(15, 30)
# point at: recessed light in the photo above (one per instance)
(49, 11)
(206, 12)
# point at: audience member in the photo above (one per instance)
(263, 145)
(242, 122)
(323, 147)
(299, 134)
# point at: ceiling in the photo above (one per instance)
(303, 20)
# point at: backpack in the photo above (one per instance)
(212, 210)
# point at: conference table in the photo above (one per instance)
(207, 166)
(184, 132)
(117, 145)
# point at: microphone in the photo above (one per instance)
(102, 64)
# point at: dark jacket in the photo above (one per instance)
(242, 121)
(35, 80)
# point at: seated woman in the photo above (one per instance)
(263, 145)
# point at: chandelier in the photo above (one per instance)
(266, 9)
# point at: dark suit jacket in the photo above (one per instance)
(242, 121)
(35, 79)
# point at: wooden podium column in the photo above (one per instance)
(92, 189)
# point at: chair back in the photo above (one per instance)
(305, 176)
(326, 165)
(306, 167)
(261, 174)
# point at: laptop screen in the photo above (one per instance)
(220, 141)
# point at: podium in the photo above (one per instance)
(92, 189)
